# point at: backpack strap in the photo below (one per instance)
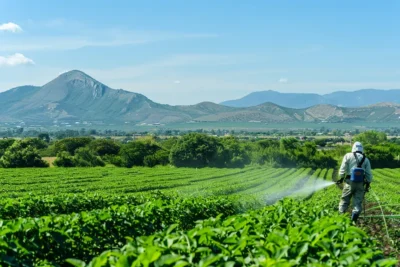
(359, 164)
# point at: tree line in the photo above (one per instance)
(193, 150)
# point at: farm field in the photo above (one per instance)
(168, 216)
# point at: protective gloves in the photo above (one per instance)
(340, 181)
(367, 186)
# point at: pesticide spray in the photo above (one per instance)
(318, 185)
(303, 192)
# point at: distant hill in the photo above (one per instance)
(358, 98)
(76, 97)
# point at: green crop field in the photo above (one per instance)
(167, 216)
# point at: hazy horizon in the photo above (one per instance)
(180, 52)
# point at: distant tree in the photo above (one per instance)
(194, 150)
(84, 157)
(322, 161)
(371, 137)
(320, 142)
(288, 144)
(66, 133)
(169, 143)
(134, 153)
(44, 137)
(231, 153)
(160, 157)
(381, 157)
(104, 147)
(64, 159)
(127, 140)
(92, 132)
(115, 160)
(6, 143)
(70, 144)
(268, 143)
(150, 161)
(20, 155)
(34, 142)
(308, 149)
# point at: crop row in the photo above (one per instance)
(52, 239)
(19, 183)
(37, 206)
(262, 185)
(289, 233)
(241, 183)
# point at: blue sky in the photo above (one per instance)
(185, 52)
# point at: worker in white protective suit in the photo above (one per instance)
(356, 172)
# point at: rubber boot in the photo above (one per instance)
(354, 216)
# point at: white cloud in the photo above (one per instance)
(10, 27)
(14, 60)
(177, 82)
(283, 80)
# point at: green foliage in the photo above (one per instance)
(199, 150)
(104, 147)
(381, 156)
(286, 234)
(289, 144)
(169, 143)
(134, 153)
(276, 158)
(161, 157)
(339, 151)
(194, 150)
(34, 142)
(371, 137)
(323, 161)
(44, 137)
(107, 210)
(115, 160)
(268, 143)
(47, 152)
(21, 154)
(70, 144)
(64, 159)
(231, 153)
(4, 144)
(84, 157)
(150, 161)
(54, 239)
(320, 142)
(38, 206)
(289, 152)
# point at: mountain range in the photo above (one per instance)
(75, 97)
(357, 98)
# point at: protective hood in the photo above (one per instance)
(357, 147)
